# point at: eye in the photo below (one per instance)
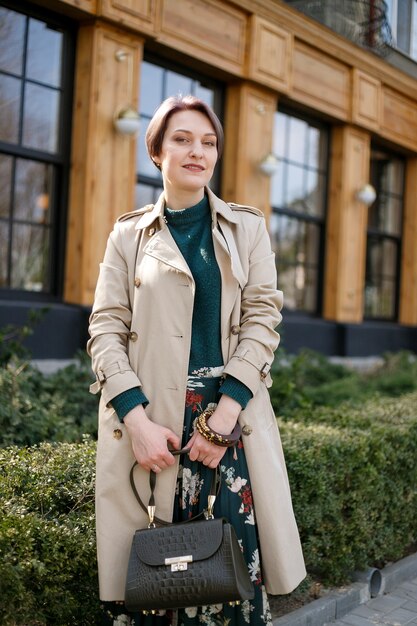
(181, 139)
(210, 143)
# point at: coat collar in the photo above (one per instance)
(218, 207)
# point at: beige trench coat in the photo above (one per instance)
(140, 331)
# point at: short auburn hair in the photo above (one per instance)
(159, 122)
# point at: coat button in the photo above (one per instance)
(133, 336)
(137, 282)
(235, 330)
(117, 433)
(247, 430)
(151, 232)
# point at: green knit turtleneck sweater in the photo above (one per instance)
(191, 230)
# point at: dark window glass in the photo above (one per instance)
(4, 247)
(151, 74)
(6, 164)
(35, 95)
(158, 82)
(177, 84)
(40, 119)
(10, 89)
(44, 54)
(298, 243)
(30, 253)
(385, 217)
(33, 190)
(298, 199)
(403, 38)
(12, 37)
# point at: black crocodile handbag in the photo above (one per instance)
(192, 563)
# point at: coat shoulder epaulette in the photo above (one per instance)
(245, 207)
(137, 213)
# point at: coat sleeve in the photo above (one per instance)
(110, 322)
(260, 314)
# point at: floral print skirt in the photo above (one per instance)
(234, 501)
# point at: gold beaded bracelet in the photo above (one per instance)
(226, 441)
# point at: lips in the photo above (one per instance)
(193, 167)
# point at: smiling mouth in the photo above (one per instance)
(193, 167)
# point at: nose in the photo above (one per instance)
(196, 150)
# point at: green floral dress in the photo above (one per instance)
(234, 502)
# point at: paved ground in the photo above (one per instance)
(386, 597)
(397, 608)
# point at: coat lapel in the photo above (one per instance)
(223, 218)
(163, 247)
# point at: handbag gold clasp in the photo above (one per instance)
(210, 506)
(151, 513)
(179, 563)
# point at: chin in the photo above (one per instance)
(195, 185)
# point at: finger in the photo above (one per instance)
(174, 440)
(158, 460)
(155, 468)
(193, 453)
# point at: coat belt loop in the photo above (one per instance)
(266, 368)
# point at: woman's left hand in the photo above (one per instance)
(222, 421)
(202, 450)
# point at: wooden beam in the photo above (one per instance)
(103, 161)
(408, 290)
(270, 54)
(249, 123)
(209, 30)
(346, 226)
(320, 81)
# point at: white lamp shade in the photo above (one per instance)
(269, 165)
(127, 121)
(366, 194)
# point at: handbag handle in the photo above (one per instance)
(150, 509)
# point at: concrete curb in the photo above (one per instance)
(338, 603)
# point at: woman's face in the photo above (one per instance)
(189, 152)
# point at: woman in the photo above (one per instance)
(184, 320)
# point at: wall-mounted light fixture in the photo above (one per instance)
(127, 119)
(269, 165)
(366, 194)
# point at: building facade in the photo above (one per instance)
(319, 105)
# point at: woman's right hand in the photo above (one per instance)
(150, 441)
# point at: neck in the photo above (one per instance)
(180, 199)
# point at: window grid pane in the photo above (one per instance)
(298, 199)
(10, 90)
(12, 35)
(32, 69)
(385, 218)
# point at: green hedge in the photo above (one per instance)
(353, 474)
(48, 572)
(36, 408)
(310, 379)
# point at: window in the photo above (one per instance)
(384, 236)
(157, 83)
(298, 200)
(35, 55)
(402, 18)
